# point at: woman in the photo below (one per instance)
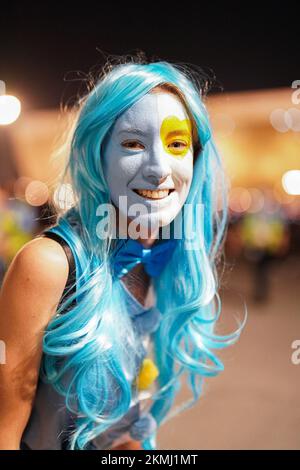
(85, 343)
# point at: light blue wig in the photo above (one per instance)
(92, 353)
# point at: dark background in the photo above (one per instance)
(46, 50)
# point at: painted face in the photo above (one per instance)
(148, 158)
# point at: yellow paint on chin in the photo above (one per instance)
(176, 136)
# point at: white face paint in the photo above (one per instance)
(150, 148)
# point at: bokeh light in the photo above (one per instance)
(239, 199)
(278, 119)
(10, 109)
(294, 115)
(291, 182)
(36, 193)
(257, 200)
(63, 196)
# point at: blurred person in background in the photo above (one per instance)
(18, 224)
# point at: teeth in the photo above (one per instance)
(153, 194)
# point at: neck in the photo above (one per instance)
(122, 228)
(137, 282)
(147, 242)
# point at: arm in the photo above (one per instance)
(30, 293)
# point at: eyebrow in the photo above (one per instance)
(178, 132)
(131, 130)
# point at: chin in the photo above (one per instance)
(145, 225)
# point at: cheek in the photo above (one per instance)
(128, 166)
(183, 171)
(120, 169)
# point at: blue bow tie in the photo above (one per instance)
(130, 252)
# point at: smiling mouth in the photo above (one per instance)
(156, 194)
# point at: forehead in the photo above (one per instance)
(150, 111)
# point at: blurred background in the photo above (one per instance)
(250, 58)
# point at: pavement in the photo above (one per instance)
(255, 402)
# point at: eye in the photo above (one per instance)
(132, 145)
(177, 145)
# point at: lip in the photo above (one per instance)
(157, 190)
(146, 199)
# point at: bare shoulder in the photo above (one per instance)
(37, 275)
(44, 260)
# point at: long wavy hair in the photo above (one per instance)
(87, 358)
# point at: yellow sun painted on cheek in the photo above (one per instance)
(176, 136)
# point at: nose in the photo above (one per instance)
(156, 169)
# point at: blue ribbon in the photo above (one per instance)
(130, 252)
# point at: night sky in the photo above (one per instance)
(46, 50)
